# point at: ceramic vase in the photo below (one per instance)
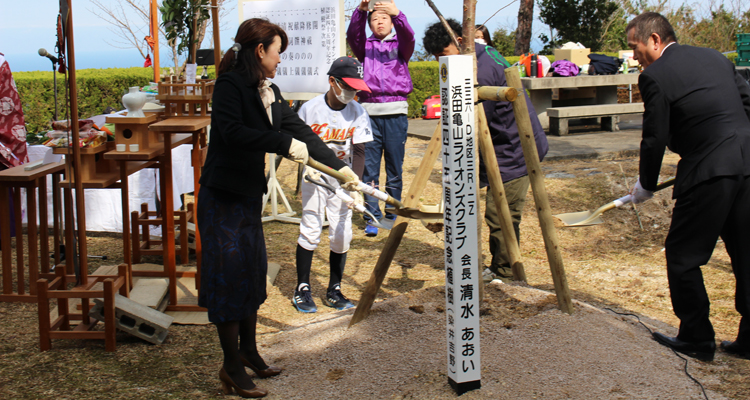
(134, 101)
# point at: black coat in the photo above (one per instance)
(241, 135)
(698, 106)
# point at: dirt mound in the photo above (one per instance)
(529, 350)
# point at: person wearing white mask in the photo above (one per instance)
(345, 127)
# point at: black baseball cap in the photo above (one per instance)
(349, 70)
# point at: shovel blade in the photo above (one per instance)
(583, 218)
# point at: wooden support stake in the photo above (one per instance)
(399, 228)
(541, 200)
(498, 194)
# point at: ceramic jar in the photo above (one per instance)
(134, 101)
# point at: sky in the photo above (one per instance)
(28, 25)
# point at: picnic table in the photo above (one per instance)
(558, 99)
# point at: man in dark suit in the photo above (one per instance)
(698, 106)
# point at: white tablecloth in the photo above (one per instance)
(104, 206)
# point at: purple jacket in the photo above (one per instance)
(386, 62)
(502, 122)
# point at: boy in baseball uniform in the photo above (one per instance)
(344, 126)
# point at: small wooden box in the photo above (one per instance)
(134, 130)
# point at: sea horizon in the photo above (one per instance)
(28, 62)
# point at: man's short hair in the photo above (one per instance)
(436, 38)
(650, 22)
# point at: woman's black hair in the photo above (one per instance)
(250, 34)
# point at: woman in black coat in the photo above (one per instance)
(249, 119)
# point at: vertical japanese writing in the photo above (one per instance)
(460, 217)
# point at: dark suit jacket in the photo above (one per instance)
(698, 106)
(241, 135)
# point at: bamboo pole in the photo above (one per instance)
(541, 200)
(155, 35)
(217, 31)
(399, 228)
(75, 161)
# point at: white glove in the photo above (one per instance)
(313, 173)
(359, 200)
(639, 194)
(298, 151)
(353, 184)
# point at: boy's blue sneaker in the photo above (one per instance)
(303, 300)
(371, 230)
(335, 299)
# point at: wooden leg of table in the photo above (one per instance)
(43, 309)
(62, 302)
(168, 216)
(20, 281)
(197, 162)
(136, 239)
(32, 235)
(184, 250)
(125, 194)
(145, 228)
(110, 342)
(70, 247)
(57, 215)
(5, 240)
(43, 229)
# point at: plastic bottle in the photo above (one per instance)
(533, 71)
(539, 68)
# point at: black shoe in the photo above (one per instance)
(736, 348)
(335, 299)
(703, 351)
(303, 300)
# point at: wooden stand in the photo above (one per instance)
(142, 243)
(12, 180)
(186, 100)
(196, 130)
(62, 326)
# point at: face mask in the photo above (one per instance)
(346, 96)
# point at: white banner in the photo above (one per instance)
(462, 260)
(315, 29)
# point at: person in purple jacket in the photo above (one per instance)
(385, 58)
(504, 131)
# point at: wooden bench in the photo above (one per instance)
(559, 116)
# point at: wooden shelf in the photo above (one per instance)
(119, 119)
(149, 153)
(180, 124)
(106, 180)
(106, 146)
(18, 174)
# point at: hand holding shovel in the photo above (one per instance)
(585, 218)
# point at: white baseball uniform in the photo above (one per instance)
(339, 129)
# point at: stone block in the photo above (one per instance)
(136, 319)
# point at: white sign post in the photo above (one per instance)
(315, 29)
(460, 177)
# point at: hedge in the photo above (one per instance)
(97, 90)
(101, 88)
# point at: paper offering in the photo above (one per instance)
(314, 29)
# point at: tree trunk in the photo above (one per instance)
(523, 33)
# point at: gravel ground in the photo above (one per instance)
(399, 352)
